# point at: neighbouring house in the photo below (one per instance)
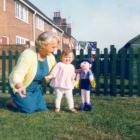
(22, 21)
(66, 27)
(134, 43)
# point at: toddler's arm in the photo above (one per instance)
(49, 77)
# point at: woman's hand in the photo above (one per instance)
(21, 90)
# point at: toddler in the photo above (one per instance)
(63, 79)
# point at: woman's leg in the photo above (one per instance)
(41, 104)
(26, 104)
(11, 105)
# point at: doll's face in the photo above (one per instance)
(85, 65)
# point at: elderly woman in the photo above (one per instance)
(32, 66)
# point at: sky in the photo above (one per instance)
(109, 22)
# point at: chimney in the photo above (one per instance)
(57, 18)
(69, 29)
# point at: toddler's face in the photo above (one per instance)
(67, 59)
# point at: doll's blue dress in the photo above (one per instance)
(34, 100)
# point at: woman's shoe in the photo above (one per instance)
(11, 105)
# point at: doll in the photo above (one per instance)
(85, 81)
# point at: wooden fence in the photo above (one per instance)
(114, 72)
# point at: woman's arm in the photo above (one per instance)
(22, 67)
(20, 71)
(53, 73)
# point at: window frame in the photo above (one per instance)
(21, 40)
(40, 24)
(21, 12)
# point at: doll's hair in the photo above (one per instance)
(87, 60)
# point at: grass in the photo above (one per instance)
(113, 118)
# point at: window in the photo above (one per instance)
(4, 40)
(21, 40)
(39, 23)
(21, 12)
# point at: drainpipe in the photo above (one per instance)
(4, 5)
(34, 33)
(62, 40)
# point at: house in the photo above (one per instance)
(66, 27)
(21, 21)
(134, 44)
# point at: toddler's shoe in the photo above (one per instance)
(57, 110)
(73, 110)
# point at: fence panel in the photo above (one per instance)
(109, 70)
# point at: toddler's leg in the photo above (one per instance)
(69, 97)
(58, 97)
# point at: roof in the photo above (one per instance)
(34, 8)
(49, 21)
(132, 41)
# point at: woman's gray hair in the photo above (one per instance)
(45, 38)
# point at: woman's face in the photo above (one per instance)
(49, 48)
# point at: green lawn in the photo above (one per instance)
(113, 118)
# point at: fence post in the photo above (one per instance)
(97, 71)
(74, 61)
(106, 59)
(58, 56)
(113, 71)
(3, 71)
(10, 58)
(16, 56)
(138, 73)
(81, 54)
(130, 64)
(89, 53)
(122, 71)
